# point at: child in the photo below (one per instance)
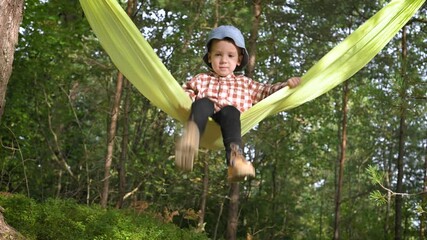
(222, 95)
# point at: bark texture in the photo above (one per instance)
(10, 20)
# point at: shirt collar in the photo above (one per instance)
(231, 75)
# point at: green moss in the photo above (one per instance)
(65, 219)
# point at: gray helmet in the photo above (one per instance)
(233, 33)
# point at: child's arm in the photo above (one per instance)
(260, 91)
(191, 87)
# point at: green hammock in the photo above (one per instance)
(136, 59)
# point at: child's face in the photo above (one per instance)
(224, 56)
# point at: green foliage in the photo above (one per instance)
(378, 197)
(65, 219)
(376, 176)
(58, 110)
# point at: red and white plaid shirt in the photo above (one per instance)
(238, 91)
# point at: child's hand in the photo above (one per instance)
(293, 82)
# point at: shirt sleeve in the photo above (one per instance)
(259, 91)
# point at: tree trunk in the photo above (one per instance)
(234, 191)
(10, 20)
(233, 212)
(111, 137)
(253, 38)
(401, 147)
(233, 209)
(341, 161)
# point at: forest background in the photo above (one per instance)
(351, 164)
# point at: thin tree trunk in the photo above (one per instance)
(401, 147)
(125, 139)
(139, 124)
(217, 16)
(273, 194)
(122, 161)
(55, 147)
(388, 164)
(253, 38)
(111, 137)
(341, 161)
(233, 212)
(423, 217)
(221, 208)
(59, 184)
(320, 236)
(201, 224)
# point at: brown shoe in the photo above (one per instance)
(239, 168)
(187, 146)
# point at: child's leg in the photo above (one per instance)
(188, 145)
(238, 167)
(201, 110)
(229, 120)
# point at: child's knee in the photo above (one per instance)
(230, 112)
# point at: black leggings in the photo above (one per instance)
(228, 118)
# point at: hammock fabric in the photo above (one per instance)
(136, 59)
